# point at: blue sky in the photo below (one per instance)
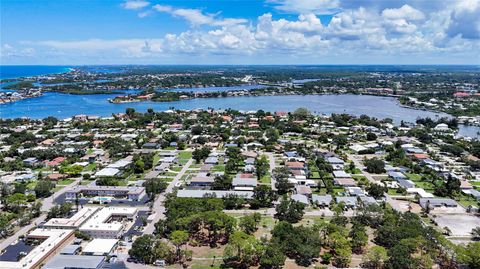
(240, 32)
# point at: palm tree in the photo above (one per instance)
(476, 233)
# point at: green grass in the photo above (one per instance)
(65, 182)
(205, 264)
(176, 168)
(58, 187)
(266, 179)
(393, 192)
(167, 179)
(90, 167)
(414, 177)
(218, 168)
(315, 174)
(183, 161)
(185, 155)
(425, 185)
(475, 183)
(85, 182)
(337, 190)
(467, 201)
(44, 169)
(267, 222)
(156, 159)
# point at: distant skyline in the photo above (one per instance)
(330, 32)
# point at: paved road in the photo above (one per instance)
(47, 203)
(158, 204)
(370, 178)
(271, 160)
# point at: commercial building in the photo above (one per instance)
(109, 222)
(77, 262)
(74, 221)
(100, 247)
(52, 241)
(83, 191)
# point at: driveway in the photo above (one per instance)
(158, 204)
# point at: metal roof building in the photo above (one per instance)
(78, 262)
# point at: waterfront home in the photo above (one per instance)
(442, 128)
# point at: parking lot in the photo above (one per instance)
(459, 224)
(11, 253)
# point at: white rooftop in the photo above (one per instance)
(100, 246)
(52, 239)
(107, 172)
(99, 220)
(74, 221)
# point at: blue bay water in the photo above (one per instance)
(66, 105)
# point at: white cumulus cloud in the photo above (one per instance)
(135, 4)
(196, 16)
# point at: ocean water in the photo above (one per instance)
(16, 71)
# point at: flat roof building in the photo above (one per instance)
(109, 222)
(52, 241)
(100, 247)
(74, 221)
(77, 262)
(82, 191)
